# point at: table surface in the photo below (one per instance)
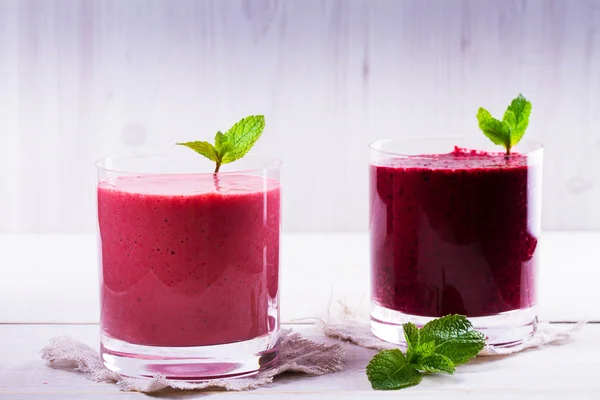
(49, 288)
(557, 371)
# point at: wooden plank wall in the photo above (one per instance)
(84, 79)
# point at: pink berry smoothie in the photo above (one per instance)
(189, 260)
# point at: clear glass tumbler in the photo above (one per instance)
(189, 266)
(454, 226)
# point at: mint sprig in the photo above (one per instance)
(389, 370)
(511, 129)
(439, 346)
(233, 144)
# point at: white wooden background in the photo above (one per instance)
(84, 79)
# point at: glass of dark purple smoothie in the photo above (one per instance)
(454, 227)
(189, 266)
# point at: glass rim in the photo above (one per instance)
(537, 146)
(271, 163)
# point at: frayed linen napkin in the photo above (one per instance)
(297, 354)
(355, 328)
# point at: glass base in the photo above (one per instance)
(198, 363)
(503, 330)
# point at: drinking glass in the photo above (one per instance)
(189, 266)
(454, 229)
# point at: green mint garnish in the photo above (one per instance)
(232, 145)
(411, 335)
(511, 129)
(435, 363)
(389, 370)
(439, 346)
(453, 337)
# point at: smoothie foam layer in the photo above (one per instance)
(189, 260)
(190, 185)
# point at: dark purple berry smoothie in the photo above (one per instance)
(188, 260)
(451, 234)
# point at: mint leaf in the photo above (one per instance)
(511, 129)
(242, 136)
(439, 346)
(411, 335)
(232, 145)
(204, 148)
(435, 363)
(454, 337)
(423, 358)
(221, 143)
(222, 146)
(517, 118)
(389, 370)
(427, 348)
(461, 350)
(497, 131)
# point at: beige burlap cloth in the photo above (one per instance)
(297, 354)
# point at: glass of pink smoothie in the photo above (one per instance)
(454, 228)
(189, 266)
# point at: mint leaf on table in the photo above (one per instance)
(389, 370)
(511, 129)
(411, 335)
(426, 348)
(454, 337)
(232, 145)
(435, 363)
(439, 346)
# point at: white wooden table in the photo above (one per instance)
(568, 370)
(48, 287)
